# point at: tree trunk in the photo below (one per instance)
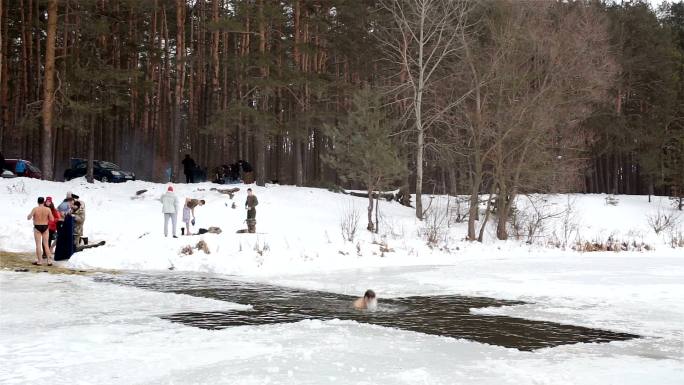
(502, 203)
(419, 163)
(616, 174)
(404, 190)
(595, 177)
(651, 188)
(216, 96)
(3, 74)
(91, 150)
(49, 92)
(370, 226)
(473, 209)
(606, 174)
(377, 211)
(259, 137)
(476, 181)
(480, 236)
(298, 166)
(180, 74)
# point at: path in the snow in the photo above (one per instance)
(448, 316)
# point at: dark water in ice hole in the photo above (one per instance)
(444, 315)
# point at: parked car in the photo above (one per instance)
(102, 170)
(30, 171)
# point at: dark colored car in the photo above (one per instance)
(30, 171)
(102, 170)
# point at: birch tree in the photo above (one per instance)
(423, 35)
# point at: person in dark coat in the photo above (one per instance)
(189, 169)
(234, 172)
(65, 247)
(2, 163)
(247, 171)
(245, 166)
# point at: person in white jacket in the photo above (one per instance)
(170, 209)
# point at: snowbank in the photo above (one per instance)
(299, 229)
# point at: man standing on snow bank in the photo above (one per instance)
(170, 209)
(250, 205)
(41, 216)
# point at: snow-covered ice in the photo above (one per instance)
(86, 332)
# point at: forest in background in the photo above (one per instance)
(497, 97)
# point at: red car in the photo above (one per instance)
(30, 171)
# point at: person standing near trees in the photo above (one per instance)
(247, 171)
(189, 169)
(170, 209)
(41, 216)
(250, 205)
(20, 168)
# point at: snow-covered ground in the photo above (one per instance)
(71, 330)
(299, 229)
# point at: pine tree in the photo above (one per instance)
(362, 147)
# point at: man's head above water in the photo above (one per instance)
(367, 302)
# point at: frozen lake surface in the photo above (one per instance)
(78, 330)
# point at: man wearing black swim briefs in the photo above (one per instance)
(41, 215)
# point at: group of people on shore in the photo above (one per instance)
(53, 225)
(57, 226)
(224, 174)
(169, 201)
(234, 172)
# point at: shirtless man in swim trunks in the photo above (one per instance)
(41, 215)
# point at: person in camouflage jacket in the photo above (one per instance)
(78, 213)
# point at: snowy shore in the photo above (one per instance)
(299, 229)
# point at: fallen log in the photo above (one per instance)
(388, 196)
(228, 191)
